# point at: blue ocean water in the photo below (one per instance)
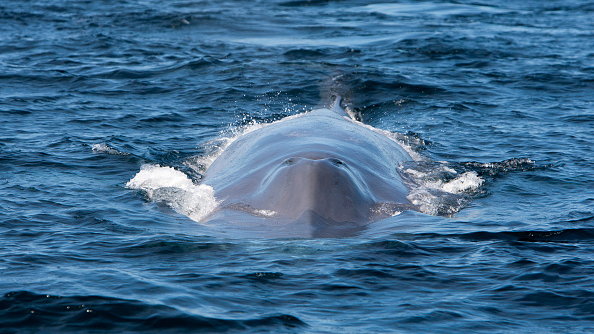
(92, 90)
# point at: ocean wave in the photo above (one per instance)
(23, 310)
(555, 236)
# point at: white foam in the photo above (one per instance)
(104, 148)
(440, 190)
(168, 185)
(465, 182)
(265, 213)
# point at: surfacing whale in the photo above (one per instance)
(318, 174)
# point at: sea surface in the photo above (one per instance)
(91, 91)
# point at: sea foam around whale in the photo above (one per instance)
(176, 189)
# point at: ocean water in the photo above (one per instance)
(90, 91)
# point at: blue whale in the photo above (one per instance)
(316, 174)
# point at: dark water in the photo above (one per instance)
(151, 82)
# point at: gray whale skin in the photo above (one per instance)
(319, 174)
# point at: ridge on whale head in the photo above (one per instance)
(315, 174)
(326, 186)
